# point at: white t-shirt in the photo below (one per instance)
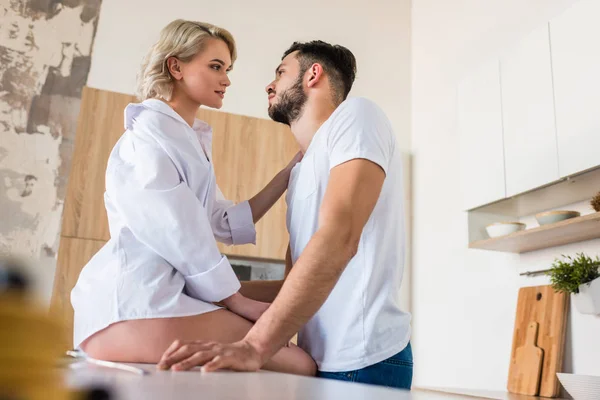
(360, 323)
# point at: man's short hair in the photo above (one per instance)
(337, 61)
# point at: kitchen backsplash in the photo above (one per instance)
(256, 270)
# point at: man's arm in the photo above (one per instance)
(351, 195)
(266, 290)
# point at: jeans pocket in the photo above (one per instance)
(340, 376)
(392, 361)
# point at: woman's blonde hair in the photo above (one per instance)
(183, 40)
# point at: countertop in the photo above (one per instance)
(262, 385)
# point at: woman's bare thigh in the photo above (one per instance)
(145, 340)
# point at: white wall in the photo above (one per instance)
(377, 32)
(464, 301)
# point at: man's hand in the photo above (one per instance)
(238, 356)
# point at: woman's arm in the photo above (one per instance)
(264, 200)
(266, 290)
(165, 215)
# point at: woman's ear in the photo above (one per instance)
(174, 67)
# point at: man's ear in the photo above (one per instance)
(174, 67)
(315, 75)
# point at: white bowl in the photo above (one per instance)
(504, 228)
(581, 387)
(550, 217)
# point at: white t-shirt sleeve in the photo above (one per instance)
(360, 130)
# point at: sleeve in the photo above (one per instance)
(232, 223)
(165, 215)
(361, 130)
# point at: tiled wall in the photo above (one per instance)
(257, 270)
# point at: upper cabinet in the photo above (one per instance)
(576, 68)
(480, 127)
(247, 153)
(530, 147)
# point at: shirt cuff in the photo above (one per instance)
(241, 223)
(216, 284)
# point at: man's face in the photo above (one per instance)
(286, 93)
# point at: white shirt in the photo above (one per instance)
(164, 213)
(360, 323)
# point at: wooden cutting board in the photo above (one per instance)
(525, 373)
(549, 309)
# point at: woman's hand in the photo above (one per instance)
(264, 200)
(295, 160)
(245, 307)
(254, 309)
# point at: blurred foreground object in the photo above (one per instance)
(32, 343)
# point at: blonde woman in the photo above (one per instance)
(159, 274)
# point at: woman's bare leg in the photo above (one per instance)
(145, 340)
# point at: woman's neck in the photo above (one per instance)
(185, 108)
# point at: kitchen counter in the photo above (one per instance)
(262, 385)
(486, 394)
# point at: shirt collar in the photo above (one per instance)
(134, 109)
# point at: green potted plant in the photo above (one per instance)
(595, 203)
(579, 276)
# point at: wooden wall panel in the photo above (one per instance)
(247, 153)
(99, 126)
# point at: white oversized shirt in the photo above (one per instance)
(361, 322)
(164, 213)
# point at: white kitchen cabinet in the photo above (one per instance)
(480, 127)
(530, 149)
(576, 69)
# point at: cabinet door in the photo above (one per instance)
(480, 127)
(247, 153)
(528, 114)
(576, 70)
(99, 127)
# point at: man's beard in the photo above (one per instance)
(291, 102)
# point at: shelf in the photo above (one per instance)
(569, 231)
(568, 190)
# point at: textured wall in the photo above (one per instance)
(45, 48)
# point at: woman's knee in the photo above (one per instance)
(292, 360)
(123, 342)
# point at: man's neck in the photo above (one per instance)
(315, 113)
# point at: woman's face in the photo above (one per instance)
(204, 79)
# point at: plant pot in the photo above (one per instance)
(587, 300)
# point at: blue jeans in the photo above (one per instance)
(396, 371)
